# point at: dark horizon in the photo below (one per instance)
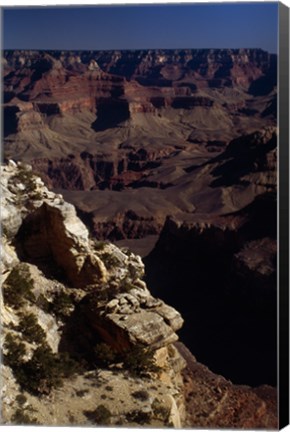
(138, 49)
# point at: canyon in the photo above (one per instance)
(172, 155)
(85, 342)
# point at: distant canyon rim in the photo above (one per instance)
(171, 153)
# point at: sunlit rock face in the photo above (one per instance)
(65, 293)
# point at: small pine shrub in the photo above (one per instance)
(26, 177)
(15, 351)
(99, 245)
(81, 393)
(160, 411)
(18, 287)
(100, 416)
(140, 361)
(20, 417)
(40, 374)
(30, 329)
(104, 355)
(126, 286)
(138, 416)
(43, 303)
(67, 366)
(21, 399)
(37, 196)
(109, 388)
(44, 371)
(142, 395)
(110, 260)
(62, 304)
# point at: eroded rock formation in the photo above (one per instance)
(48, 257)
(66, 294)
(137, 122)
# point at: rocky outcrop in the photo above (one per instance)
(251, 158)
(62, 288)
(133, 318)
(43, 217)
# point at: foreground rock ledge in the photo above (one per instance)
(46, 244)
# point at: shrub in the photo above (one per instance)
(160, 411)
(67, 365)
(142, 395)
(81, 393)
(126, 286)
(20, 417)
(43, 303)
(62, 304)
(18, 287)
(38, 196)
(109, 388)
(104, 355)
(110, 260)
(138, 416)
(26, 177)
(99, 245)
(21, 399)
(30, 329)
(40, 374)
(44, 371)
(140, 361)
(15, 351)
(100, 416)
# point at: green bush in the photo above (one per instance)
(44, 371)
(18, 287)
(62, 304)
(142, 395)
(140, 361)
(40, 374)
(160, 411)
(110, 260)
(43, 303)
(26, 177)
(109, 388)
(104, 355)
(100, 416)
(30, 329)
(138, 416)
(126, 286)
(81, 393)
(99, 245)
(15, 351)
(21, 399)
(20, 417)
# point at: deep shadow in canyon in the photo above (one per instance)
(229, 309)
(131, 137)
